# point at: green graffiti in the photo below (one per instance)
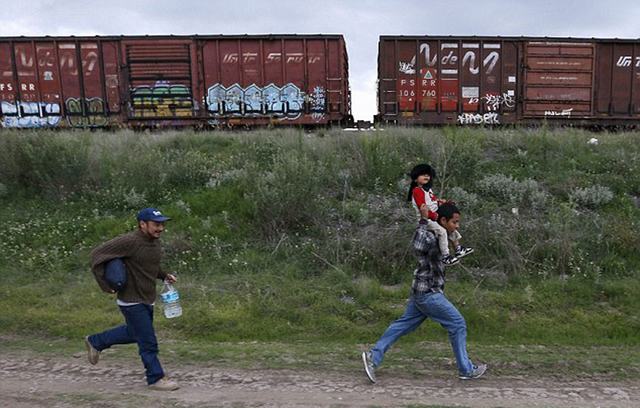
(161, 100)
(95, 112)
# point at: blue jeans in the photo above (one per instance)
(138, 329)
(436, 307)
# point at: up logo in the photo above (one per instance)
(625, 61)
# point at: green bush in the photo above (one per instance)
(509, 191)
(591, 197)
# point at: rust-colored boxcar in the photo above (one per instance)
(501, 80)
(164, 81)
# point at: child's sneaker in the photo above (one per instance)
(463, 251)
(449, 260)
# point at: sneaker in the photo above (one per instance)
(164, 384)
(449, 260)
(463, 251)
(93, 355)
(475, 373)
(369, 368)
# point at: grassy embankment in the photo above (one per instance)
(281, 236)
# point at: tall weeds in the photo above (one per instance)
(289, 225)
(346, 192)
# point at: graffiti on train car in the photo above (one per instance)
(30, 114)
(564, 112)
(285, 103)
(317, 103)
(492, 104)
(68, 59)
(440, 77)
(158, 81)
(468, 60)
(48, 114)
(67, 56)
(490, 118)
(163, 99)
(93, 117)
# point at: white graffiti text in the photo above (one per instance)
(490, 118)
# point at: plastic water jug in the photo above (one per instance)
(170, 301)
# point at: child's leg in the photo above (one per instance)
(459, 250)
(441, 236)
(455, 237)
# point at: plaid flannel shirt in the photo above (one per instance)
(430, 274)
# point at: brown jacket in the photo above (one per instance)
(141, 255)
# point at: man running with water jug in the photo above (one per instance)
(141, 253)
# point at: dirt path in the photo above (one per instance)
(32, 382)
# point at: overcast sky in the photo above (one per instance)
(361, 22)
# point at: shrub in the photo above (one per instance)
(50, 164)
(591, 197)
(286, 197)
(511, 191)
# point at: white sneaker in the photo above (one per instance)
(369, 367)
(93, 355)
(475, 373)
(164, 384)
(449, 260)
(464, 251)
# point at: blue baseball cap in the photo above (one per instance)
(151, 214)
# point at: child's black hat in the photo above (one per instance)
(421, 169)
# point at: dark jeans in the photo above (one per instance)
(138, 329)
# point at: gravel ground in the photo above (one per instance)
(66, 382)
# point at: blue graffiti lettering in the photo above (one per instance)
(29, 114)
(286, 102)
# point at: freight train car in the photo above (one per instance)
(173, 81)
(432, 80)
